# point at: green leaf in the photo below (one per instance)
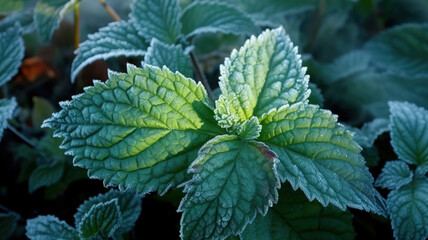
(395, 174)
(210, 16)
(49, 228)
(8, 6)
(408, 209)
(250, 129)
(173, 56)
(8, 223)
(102, 220)
(6, 112)
(345, 66)
(370, 131)
(265, 73)
(48, 15)
(122, 130)
(399, 50)
(117, 39)
(317, 155)
(129, 205)
(42, 109)
(294, 217)
(409, 135)
(232, 181)
(11, 53)
(316, 96)
(45, 175)
(157, 19)
(24, 18)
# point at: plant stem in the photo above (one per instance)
(76, 25)
(21, 136)
(110, 11)
(201, 75)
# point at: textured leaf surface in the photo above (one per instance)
(11, 53)
(205, 17)
(45, 175)
(409, 132)
(24, 18)
(122, 130)
(6, 111)
(294, 217)
(232, 181)
(8, 223)
(408, 209)
(102, 219)
(319, 156)
(265, 73)
(401, 50)
(370, 131)
(157, 19)
(48, 15)
(173, 56)
(117, 39)
(129, 204)
(394, 175)
(49, 228)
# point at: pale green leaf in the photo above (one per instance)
(6, 112)
(409, 132)
(8, 6)
(408, 209)
(319, 156)
(394, 175)
(210, 16)
(129, 204)
(250, 129)
(157, 19)
(173, 56)
(370, 92)
(294, 217)
(117, 39)
(101, 220)
(49, 13)
(8, 223)
(122, 130)
(401, 50)
(233, 180)
(45, 175)
(265, 73)
(24, 18)
(49, 228)
(11, 53)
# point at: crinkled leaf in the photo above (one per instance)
(294, 217)
(49, 13)
(316, 96)
(45, 175)
(370, 92)
(232, 181)
(409, 134)
(11, 53)
(400, 51)
(319, 156)
(408, 209)
(117, 39)
(250, 129)
(122, 130)
(210, 16)
(173, 56)
(24, 18)
(49, 228)
(265, 73)
(8, 223)
(157, 19)
(129, 204)
(102, 219)
(394, 175)
(6, 111)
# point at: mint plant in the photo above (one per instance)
(151, 129)
(406, 177)
(105, 216)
